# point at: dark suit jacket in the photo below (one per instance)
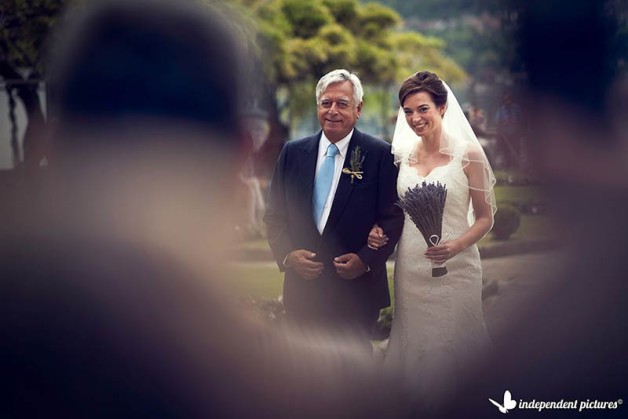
(356, 207)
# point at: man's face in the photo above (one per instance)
(337, 110)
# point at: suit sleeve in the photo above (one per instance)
(276, 216)
(389, 216)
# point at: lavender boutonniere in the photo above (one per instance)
(355, 164)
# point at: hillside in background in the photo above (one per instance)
(479, 34)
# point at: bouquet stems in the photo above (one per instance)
(438, 270)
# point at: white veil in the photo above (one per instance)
(458, 141)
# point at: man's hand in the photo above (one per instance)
(349, 266)
(302, 262)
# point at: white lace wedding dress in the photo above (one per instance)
(438, 323)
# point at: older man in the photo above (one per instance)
(327, 191)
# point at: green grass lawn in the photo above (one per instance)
(255, 244)
(518, 193)
(261, 280)
(255, 280)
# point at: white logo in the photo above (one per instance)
(508, 403)
(539, 405)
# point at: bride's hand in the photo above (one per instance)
(444, 251)
(377, 238)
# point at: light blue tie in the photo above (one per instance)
(322, 185)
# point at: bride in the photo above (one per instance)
(438, 323)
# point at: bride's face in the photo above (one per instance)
(423, 116)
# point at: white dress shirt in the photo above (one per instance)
(343, 146)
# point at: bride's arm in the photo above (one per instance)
(377, 238)
(482, 209)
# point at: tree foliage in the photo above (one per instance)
(24, 28)
(300, 40)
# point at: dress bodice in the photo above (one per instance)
(455, 220)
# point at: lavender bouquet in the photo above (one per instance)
(425, 205)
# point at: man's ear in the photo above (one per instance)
(359, 109)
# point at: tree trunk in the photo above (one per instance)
(34, 144)
(279, 132)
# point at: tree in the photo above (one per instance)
(24, 28)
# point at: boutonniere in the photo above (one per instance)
(355, 163)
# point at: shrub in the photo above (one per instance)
(507, 221)
(513, 178)
(528, 207)
(382, 328)
(270, 309)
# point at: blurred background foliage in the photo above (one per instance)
(291, 43)
(298, 41)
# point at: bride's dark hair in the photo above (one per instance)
(424, 81)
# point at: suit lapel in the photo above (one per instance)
(307, 163)
(307, 172)
(345, 187)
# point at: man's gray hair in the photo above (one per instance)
(338, 76)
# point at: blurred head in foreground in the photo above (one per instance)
(147, 95)
(110, 297)
(108, 293)
(162, 60)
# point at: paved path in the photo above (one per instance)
(512, 283)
